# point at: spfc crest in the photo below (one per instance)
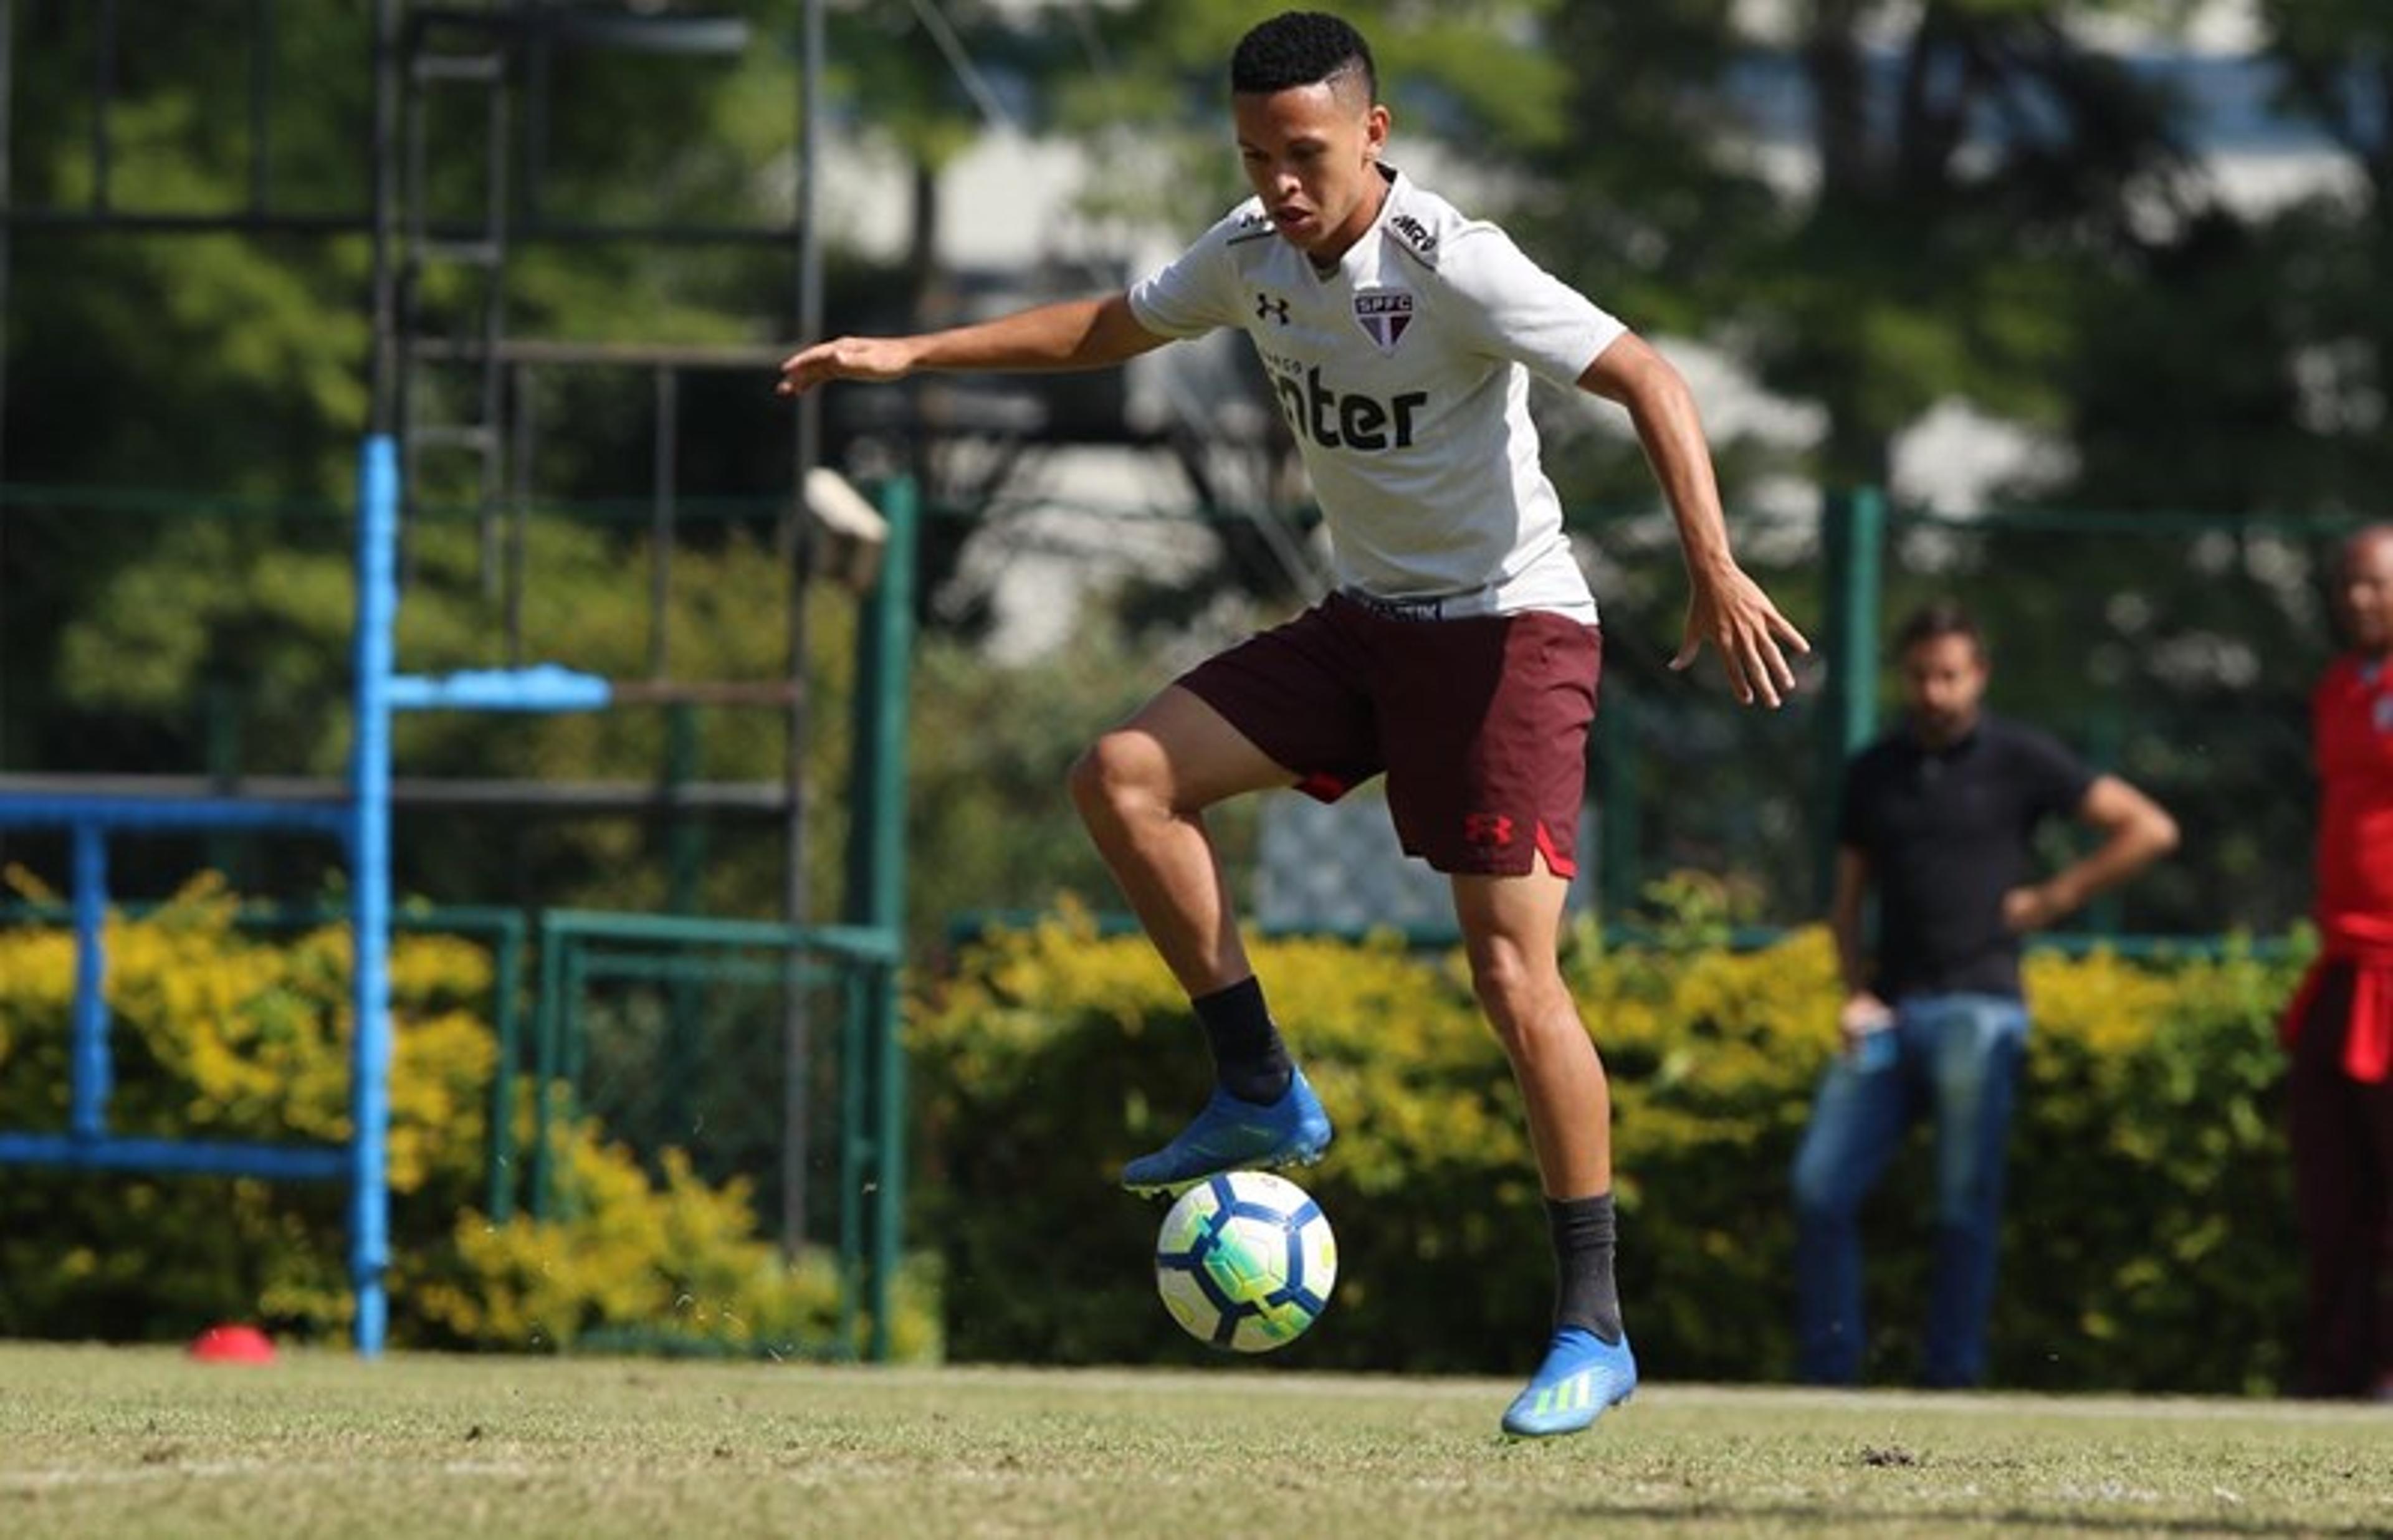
(1383, 314)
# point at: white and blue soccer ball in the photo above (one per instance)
(1245, 1261)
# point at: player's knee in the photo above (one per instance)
(1114, 774)
(1518, 996)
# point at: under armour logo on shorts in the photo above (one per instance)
(1273, 306)
(1487, 828)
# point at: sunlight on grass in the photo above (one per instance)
(108, 1442)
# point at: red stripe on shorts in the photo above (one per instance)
(1556, 862)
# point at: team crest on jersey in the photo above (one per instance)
(1384, 314)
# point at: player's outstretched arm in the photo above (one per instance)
(1726, 607)
(1074, 334)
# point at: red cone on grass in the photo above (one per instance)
(232, 1343)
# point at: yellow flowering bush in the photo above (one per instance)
(222, 1034)
(2145, 1142)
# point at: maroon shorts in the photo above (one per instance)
(1480, 724)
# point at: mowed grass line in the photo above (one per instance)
(120, 1442)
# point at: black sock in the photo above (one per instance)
(1249, 1057)
(1585, 1294)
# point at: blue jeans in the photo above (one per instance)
(1957, 1057)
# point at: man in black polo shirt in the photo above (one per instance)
(1937, 817)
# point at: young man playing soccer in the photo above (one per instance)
(1458, 654)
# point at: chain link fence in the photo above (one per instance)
(2174, 650)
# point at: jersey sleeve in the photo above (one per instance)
(2053, 780)
(1193, 293)
(1518, 311)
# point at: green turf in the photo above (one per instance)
(126, 1442)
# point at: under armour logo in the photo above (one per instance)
(1487, 828)
(1273, 306)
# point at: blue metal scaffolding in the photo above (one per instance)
(361, 822)
(405, 56)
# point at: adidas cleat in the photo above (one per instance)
(1235, 1135)
(1582, 1377)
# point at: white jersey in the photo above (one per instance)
(1404, 375)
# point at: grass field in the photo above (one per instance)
(123, 1443)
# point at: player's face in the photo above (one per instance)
(1944, 679)
(1312, 155)
(2365, 593)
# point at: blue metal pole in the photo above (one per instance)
(378, 492)
(92, 1072)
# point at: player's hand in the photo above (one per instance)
(877, 359)
(2033, 909)
(1729, 611)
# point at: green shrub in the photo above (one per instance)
(2148, 1241)
(219, 1033)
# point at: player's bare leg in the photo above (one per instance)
(1511, 930)
(1141, 790)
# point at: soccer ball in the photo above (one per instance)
(1245, 1261)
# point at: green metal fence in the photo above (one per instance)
(2175, 649)
(851, 965)
(719, 1062)
(649, 1091)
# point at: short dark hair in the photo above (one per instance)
(1936, 618)
(1297, 48)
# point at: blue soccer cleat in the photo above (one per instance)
(1235, 1135)
(1582, 1377)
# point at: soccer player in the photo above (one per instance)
(1937, 817)
(2339, 1028)
(1458, 655)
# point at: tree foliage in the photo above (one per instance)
(1876, 209)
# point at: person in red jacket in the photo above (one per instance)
(2339, 1028)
